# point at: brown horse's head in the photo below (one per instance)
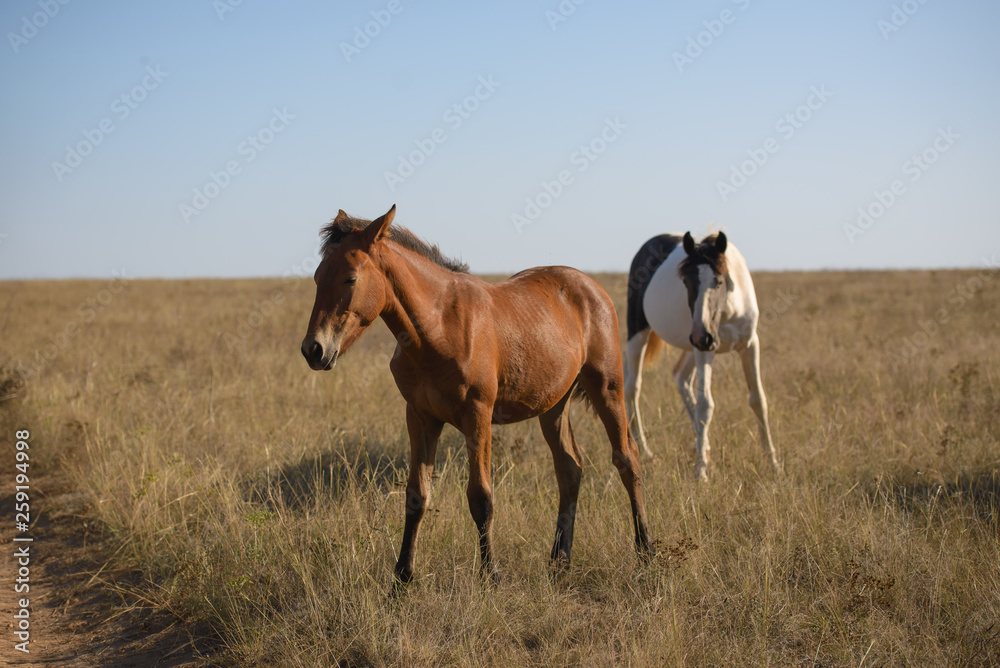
(706, 276)
(350, 288)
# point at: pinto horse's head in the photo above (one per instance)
(350, 289)
(706, 276)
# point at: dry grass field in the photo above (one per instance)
(235, 490)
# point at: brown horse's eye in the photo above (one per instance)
(351, 281)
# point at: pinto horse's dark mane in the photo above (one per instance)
(333, 233)
(704, 253)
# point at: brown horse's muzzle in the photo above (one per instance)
(320, 358)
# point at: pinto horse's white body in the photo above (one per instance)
(717, 311)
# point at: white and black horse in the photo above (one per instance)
(699, 298)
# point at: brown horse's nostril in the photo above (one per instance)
(313, 353)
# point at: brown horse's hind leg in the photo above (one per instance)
(566, 456)
(604, 389)
(424, 432)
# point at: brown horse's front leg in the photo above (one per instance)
(478, 437)
(424, 432)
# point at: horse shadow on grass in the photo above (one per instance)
(979, 491)
(354, 463)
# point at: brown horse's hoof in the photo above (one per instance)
(646, 551)
(490, 576)
(400, 585)
(559, 564)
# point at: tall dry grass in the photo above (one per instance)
(267, 499)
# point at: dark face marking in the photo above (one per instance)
(705, 274)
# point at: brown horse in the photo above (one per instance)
(473, 354)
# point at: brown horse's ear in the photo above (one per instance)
(688, 243)
(341, 217)
(379, 228)
(721, 243)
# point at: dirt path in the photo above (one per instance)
(77, 620)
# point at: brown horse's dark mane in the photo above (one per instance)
(704, 253)
(333, 233)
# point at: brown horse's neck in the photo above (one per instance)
(413, 288)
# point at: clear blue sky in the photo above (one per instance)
(199, 81)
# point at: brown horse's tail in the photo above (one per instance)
(577, 392)
(655, 347)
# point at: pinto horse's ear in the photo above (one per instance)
(688, 243)
(721, 243)
(379, 228)
(341, 216)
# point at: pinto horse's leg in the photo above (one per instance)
(424, 432)
(635, 350)
(684, 382)
(566, 456)
(604, 389)
(478, 437)
(704, 409)
(758, 402)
